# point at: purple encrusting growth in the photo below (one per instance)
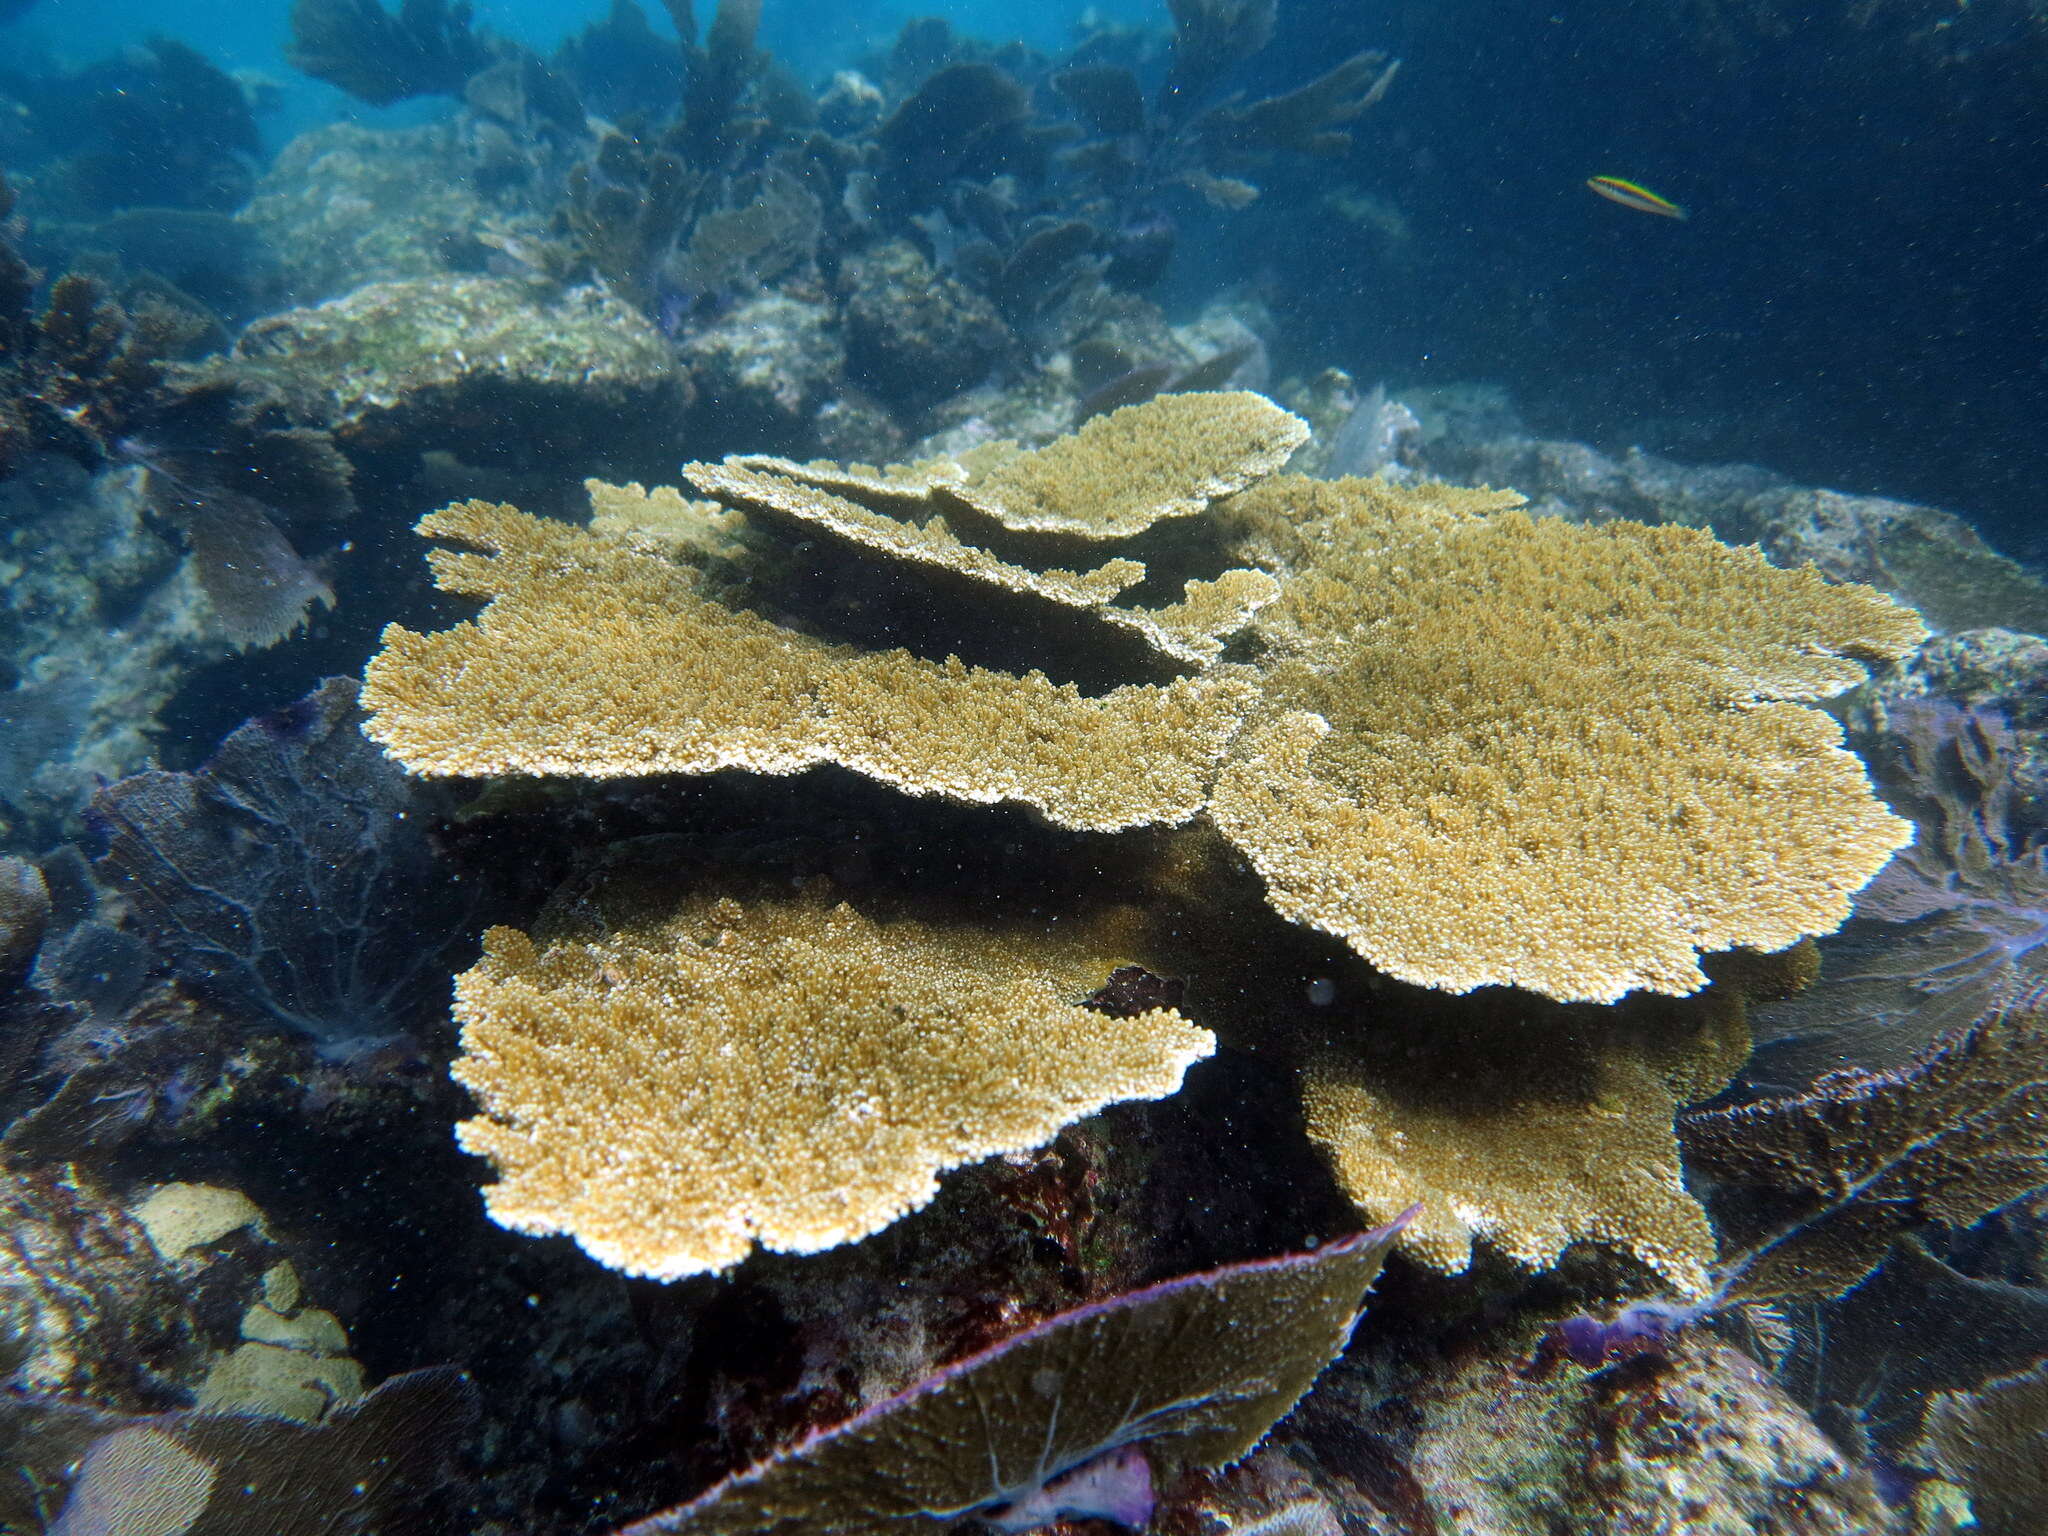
(1115, 1486)
(1076, 1416)
(1640, 1328)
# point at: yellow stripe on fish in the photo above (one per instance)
(1634, 195)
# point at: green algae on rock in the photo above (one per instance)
(1708, 1444)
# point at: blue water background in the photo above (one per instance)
(811, 37)
(1860, 298)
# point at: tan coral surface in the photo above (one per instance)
(600, 659)
(1189, 632)
(1531, 1127)
(1121, 473)
(793, 1073)
(663, 520)
(1518, 751)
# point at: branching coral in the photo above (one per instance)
(789, 1072)
(659, 679)
(1515, 751)
(1484, 749)
(663, 521)
(1190, 632)
(1121, 473)
(1492, 750)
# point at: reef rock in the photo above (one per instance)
(1701, 1441)
(763, 371)
(1930, 559)
(915, 336)
(477, 367)
(343, 205)
(102, 621)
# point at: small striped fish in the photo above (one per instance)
(1632, 195)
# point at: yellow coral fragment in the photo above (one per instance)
(1524, 752)
(599, 659)
(792, 1073)
(1532, 1132)
(1121, 473)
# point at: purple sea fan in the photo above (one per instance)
(1082, 1415)
(1952, 930)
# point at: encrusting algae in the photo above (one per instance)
(1481, 748)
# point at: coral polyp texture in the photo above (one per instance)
(1483, 749)
(1082, 1415)
(598, 659)
(1515, 751)
(1123, 472)
(1190, 632)
(1530, 1126)
(790, 1072)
